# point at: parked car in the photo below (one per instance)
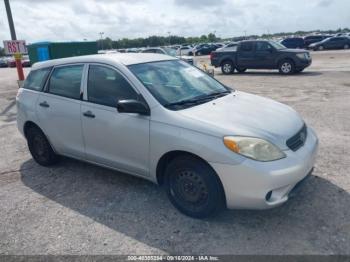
(168, 51)
(184, 50)
(338, 42)
(26, 61)
(308, 40)
(3, 62)
(219, 45)
(203, 49)
(161, 119)
(261, 54)
(293, 42)
(11, 62)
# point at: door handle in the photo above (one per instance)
(44, 104)
(89, 114)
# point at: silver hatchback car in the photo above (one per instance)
(159, 118)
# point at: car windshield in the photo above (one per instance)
(177, 85)
(170, 51)
(277, 45)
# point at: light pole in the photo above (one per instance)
(169, 37)
(9, 17)
(101, 39)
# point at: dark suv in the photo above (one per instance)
(261, 54)
(293, 42)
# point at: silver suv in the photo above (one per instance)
(159, 118)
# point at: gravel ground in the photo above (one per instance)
(77, 208)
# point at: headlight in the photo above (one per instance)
(301, 56)
(254, 148)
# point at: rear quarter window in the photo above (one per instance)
(36, 79)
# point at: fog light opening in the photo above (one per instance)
(268, 196)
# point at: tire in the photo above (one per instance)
(227, 67)
(193, 187)
(320, 48)
(241, 70)
(286, 67)
(346, 46)
(199, 53)
(40, 147)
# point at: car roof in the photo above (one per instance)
(112, 58)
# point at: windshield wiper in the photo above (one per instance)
(199, 99)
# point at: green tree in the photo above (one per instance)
(203, 38)
(2, 51)
(212, 37)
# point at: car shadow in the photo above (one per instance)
(141, 210)
(272, 73)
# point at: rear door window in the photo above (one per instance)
(263, 46)
(36, 79)
(65, 81)
(246, 47)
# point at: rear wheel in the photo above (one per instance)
(227, 67)
(346, 46)
(320, 48)
(286, 67)
(193, 187)
(40, 147)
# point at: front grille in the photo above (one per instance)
(298, 140)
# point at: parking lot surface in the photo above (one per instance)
(77, 208)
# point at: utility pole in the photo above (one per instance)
(101, 39)
(9, 17)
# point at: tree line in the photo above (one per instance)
(108, 43)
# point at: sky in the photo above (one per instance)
(76, 20)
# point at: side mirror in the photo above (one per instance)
(133, 106)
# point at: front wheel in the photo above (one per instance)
(320, 48)
(286, 67)
(227, 67)
(193, 187)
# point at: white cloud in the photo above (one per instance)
(73, 20)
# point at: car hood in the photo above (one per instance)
(185, 57)
(316, 43)
(245, 114)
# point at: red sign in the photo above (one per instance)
(15, 46)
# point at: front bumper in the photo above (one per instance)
(262, 185)
(301, 64)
